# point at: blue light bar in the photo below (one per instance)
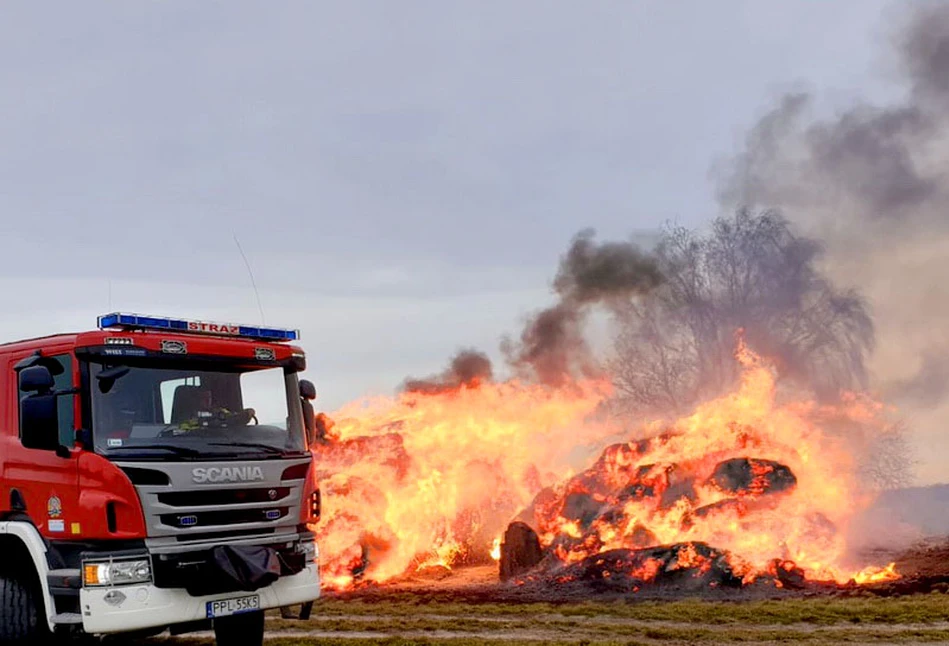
(185, 326)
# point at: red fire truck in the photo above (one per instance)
(155, 475)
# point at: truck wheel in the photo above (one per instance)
(21, 618)
(240, 630)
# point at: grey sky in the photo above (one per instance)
(402, 175)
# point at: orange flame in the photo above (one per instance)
(803, 525)
(874, 574)
(426, 479)
(433, 477)
(496, 550)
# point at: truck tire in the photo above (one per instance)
(21, 618)
(246, 629)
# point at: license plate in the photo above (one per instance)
(226, 607)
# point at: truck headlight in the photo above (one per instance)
(103, 573)
(309, 550)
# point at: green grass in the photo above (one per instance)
(919, 609)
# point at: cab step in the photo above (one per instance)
(64, 583)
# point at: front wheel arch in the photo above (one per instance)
(23, 608)
(24, 554)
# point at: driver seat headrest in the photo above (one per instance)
(188, 400)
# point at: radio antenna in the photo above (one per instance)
(253, 283)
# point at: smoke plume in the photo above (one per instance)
(551, 348)
(873, 184)
(467, 368)
(591, 272)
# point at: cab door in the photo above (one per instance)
(39, 483)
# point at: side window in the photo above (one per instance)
(168, 389)
(66, 403)
(266, 392)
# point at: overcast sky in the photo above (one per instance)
(402, 175)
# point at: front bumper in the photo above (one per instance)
(145, 606)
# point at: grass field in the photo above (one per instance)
(824, 620)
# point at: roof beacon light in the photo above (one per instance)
(185, 326)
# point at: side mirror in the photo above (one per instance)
(109, 376)
(39, 422)
(39, 411)
(36, 379)
(307, 389)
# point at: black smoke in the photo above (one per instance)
(467, 368)
(552, 348)
(591, 272)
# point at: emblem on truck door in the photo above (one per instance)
(54, 507)
(203, 475)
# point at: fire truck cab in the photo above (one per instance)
(154, 474)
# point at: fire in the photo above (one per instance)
(761, 478)
(496, 550)
(874, 574)
(757, 480)
(426, 479)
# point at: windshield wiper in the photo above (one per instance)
(177, 450)
(273, 450)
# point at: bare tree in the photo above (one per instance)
(891, 463)
(750, 272)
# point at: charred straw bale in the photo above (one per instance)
(744, 476)
(520, 550)
(680, 564)
(581, 508)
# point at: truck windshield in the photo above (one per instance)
(169, 412)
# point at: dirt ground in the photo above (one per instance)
(929, 558)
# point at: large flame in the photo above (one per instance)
(801, 490)
(431, 479)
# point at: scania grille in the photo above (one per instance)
(214, 497)
(221, 518)
(225, 535)
(187, 508)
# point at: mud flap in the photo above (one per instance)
(286, 612)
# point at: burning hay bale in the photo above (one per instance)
(705, 502)
(581, 508)
(787, 574)
(680, 564)
(426, 481)
(751, 476)
(387, 450)
(597, 499)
